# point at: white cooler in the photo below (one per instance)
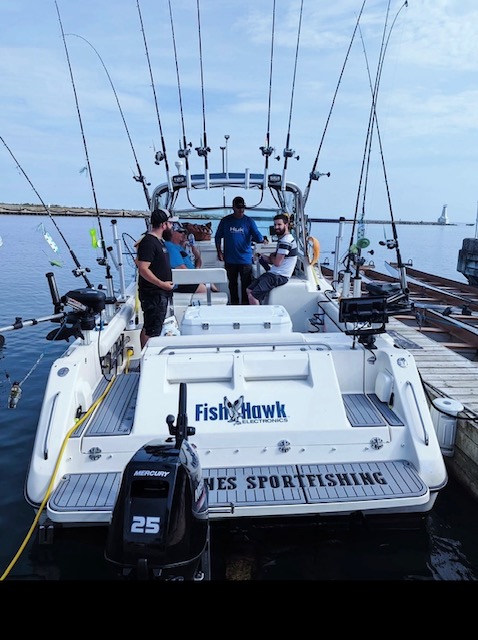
(205, 319)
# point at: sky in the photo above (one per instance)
(78, 110)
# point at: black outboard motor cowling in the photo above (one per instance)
(160, 522)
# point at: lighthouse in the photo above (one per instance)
(443, 219)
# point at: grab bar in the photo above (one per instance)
(50, 419)
(425, 433)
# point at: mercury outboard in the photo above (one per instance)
(160, 522)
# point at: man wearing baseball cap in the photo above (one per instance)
(155, 277)
(236, 233)
(179, 257)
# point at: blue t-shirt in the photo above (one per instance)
(237, 233)
(178, 256)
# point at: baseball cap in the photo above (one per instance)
(238, 202)
(177, 226)
(159, 216)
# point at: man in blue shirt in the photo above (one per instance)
(236, 232)
(179, 257)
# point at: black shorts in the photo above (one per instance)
(155, 307)
(261, 286)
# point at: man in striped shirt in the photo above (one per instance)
(279, 265)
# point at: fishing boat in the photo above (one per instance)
(300, 408)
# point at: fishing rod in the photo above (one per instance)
(288, 152)
(79, 271)
(159, 155)
(267, 150)
(400, 264)
(314, 174)
(140, 177)
(21, 324)
(203, 149)
(184, 149)
(102, 261)
(374, 125)
(355, 249)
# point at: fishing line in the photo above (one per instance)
(104, 261)
(160, 155)
(379, 138)
(355, 248)
(185, 149)
(373, 123)
(288, 152)
(140, 177)
(16, 387)
(79, 271)
(267, 150)
(314, 175)
(203, 149)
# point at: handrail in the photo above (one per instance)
(425, 433)
(50, 419)
(274, 347)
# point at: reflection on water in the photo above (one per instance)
(442, 549)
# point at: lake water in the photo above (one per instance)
(444, 550)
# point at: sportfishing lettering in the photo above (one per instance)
(296, 481)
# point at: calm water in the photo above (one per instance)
(444, 550)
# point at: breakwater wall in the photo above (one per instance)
(39, 210)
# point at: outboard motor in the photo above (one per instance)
(160, 523)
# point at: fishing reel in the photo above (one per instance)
(290, 153)
(390, 244)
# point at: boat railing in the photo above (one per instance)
(50, 421)
(227, 343)
(425, 432)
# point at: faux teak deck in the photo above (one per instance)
(446, 373)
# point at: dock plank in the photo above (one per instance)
(446, 371)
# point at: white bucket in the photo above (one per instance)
(444, 415)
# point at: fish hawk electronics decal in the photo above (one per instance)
(241, 412)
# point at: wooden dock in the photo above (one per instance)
(448, 374)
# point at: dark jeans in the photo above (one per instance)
(234, 272)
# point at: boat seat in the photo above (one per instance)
(293, 288)
(208, 276)
(197, 276)
(299, 300)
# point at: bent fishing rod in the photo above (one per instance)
(79, 271)
(140, 177)
(101, 261)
